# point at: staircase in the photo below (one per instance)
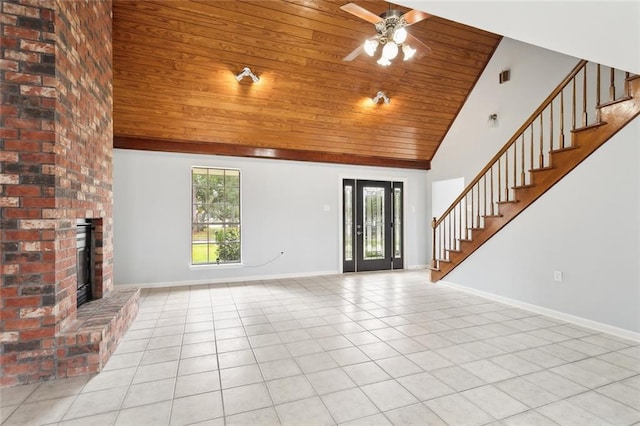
(586, 109)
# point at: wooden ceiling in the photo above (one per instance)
(174, 86)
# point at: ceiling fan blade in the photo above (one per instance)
(414, 16)
(422, 48)
(354, 54)
(361, 13)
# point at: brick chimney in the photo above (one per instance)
(56, 167)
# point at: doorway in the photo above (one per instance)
(372, 225)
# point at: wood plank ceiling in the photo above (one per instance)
(174, 86)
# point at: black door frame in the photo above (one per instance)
(354, 262)
(384, 263)
(348, 226)
(397, 224)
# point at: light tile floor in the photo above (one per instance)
(356, 349)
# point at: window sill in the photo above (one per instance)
(216, 266)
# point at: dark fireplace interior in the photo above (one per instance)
(85, 272)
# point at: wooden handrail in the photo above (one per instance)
(581, 64)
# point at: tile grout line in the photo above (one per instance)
(215, 339)
(237, 310)
(342, 298)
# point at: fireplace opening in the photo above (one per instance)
(85, 272)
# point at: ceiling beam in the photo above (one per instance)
(215, 148)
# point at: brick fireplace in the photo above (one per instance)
(56, 168)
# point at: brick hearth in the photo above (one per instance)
(86, 344)
(56, 153)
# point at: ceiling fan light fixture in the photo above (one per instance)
(408, 52)
(400, 35)
(391, 27)
(390, 51)
(370, 47)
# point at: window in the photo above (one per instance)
(215, 216)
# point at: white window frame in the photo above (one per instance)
(238, 224)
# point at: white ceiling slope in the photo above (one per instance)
(605, 32)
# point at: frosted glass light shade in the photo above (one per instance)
(370, 47)
(390, 51)
(408, 52)
(400, 35)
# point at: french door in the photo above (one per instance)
(372, 225)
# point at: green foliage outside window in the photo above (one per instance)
(228, 244)
(215, 235)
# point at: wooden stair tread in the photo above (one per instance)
(444, 260)
(613, 102)
(564, 149)
(506, 201)
(541, 169)
(454, 250)
(588, 127)
(491, 215)
(529, 185)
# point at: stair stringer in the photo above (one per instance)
(584, 142)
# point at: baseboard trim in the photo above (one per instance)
(226, 280)
(418, 267)
(583, 322)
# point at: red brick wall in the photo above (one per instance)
(84, 139)
(55, 153)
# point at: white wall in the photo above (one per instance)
(471, 142)
(283, 208)
(587, 226)
(443, 193)
(604, 32)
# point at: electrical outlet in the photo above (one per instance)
(557, 276)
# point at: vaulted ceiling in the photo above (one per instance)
(174, 86)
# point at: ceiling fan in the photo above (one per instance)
(392, 36)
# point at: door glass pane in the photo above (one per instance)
(397, 222)
(373, 202)
(348, 222)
